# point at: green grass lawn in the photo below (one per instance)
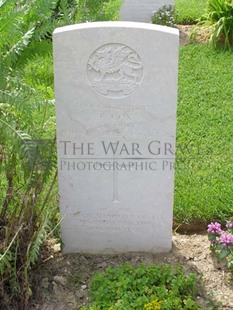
(189, 10)
(204, 173)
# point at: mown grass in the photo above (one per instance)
(189, 10)
(204, 178)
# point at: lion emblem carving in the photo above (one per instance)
(115, 70)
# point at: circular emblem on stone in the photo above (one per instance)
(115, 70)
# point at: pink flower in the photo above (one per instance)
(229, 224)
(226, 240)
(214, 228)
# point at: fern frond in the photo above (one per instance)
(12, 55)
(26, 148)
(38, 237)
(6, 256)
(5, 261)
(24, 137)
(2, 2)
(11, 21)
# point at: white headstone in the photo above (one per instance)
(141, 10)
(116, 93)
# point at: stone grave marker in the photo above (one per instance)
(141, 11)
(116, 95)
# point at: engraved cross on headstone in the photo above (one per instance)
(115, 181)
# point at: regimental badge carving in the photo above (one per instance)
(115, 70)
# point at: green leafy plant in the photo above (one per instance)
(27, 185)
(219, 17)
(97, 10)
(145, 287)
(153, 305)
(28, 199)
(164, 16)
(221, 242)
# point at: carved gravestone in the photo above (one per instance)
(116, 92)
(141, 11)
